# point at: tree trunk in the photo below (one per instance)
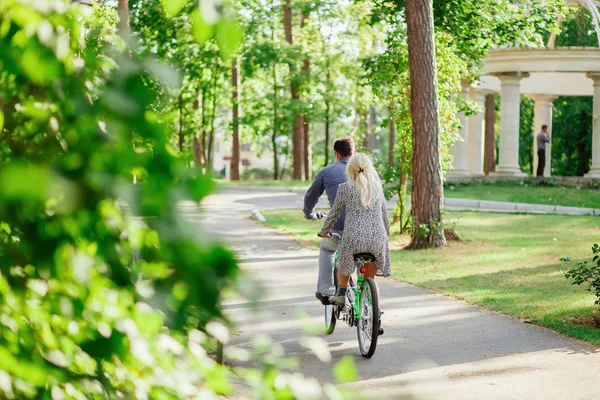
(363, 126)
(181, 122)
(307, 150)
(197, 152)
(235, 94)
(392, 139)
(372, 125)
(327, 97)
(490, 139)
(306, 118)
(275, 156)
(197, 143)
(124, 32)
(275, 122)
(298, 135)
(427, 189)
(401, 205)
(327, 138)
(203, 128)
(286, 155)
(124, 29)
(211, 138)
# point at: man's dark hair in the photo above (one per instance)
(344, 146)
(544, 127)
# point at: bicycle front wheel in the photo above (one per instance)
(368, 323)
(330, 318)
(331, 311)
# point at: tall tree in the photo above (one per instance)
(275, 130)
(327, 133)
(427, 189)
(305, 117)
(181, 122)
(392, 138)
(235, 146)
(211, 137)
(298, 136)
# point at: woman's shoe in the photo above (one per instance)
(338, 300)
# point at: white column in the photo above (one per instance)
(510, 101)
(459, 147)
(595, 170)
(542, 116)
(477, 134)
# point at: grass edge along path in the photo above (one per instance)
(584, 196)
(509, 263)
(506, 191)
(283, 184)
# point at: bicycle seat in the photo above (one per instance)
(364, 257)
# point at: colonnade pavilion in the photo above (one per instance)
(542, 74)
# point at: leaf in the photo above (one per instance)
(32, 60)
(318, 346)
(345, 370)
(173, 7)
(229, 37)
(1, 120)
(165, 74)
(22, 181)
(29, 372)
(217, 380)
(201, 31)
(218, 331)
(200, 187)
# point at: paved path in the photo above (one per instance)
(434, 347)
(450, 203)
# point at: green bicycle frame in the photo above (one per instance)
(356, 289)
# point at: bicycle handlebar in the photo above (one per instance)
(320, 215)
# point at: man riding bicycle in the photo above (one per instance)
(327, 181)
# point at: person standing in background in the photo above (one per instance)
(542, 139)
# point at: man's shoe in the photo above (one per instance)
(324, 299)
(338, 300)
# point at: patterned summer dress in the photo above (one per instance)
(365, 231)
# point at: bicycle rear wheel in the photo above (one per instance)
(368, 324)
(330, 318)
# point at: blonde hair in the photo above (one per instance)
(362, 174)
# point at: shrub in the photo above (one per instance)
(588, 274)
(257, 173)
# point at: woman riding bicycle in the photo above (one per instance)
(367, 226)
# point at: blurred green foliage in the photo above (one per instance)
(94, 303)
(105, 291)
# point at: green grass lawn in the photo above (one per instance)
(511, 191)
(508, 263)
(289, 184)
(521, 192)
